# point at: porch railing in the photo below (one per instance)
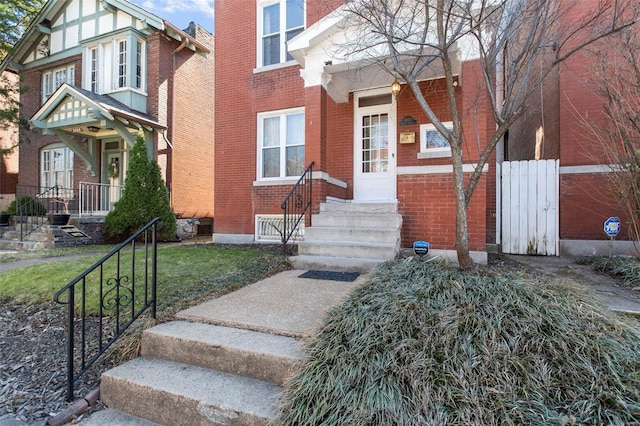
(97, 199)
(296, 204)
(107, 298)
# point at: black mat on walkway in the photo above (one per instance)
(330, 275)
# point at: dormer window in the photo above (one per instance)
(115, 64)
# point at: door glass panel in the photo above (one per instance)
(375, 141)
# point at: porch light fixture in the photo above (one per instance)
(395, 88)
(93, 129)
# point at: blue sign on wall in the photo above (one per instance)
(612, 226)
(421, 248)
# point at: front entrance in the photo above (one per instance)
(374, 177)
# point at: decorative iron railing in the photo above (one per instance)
(296, 204)
(107, 298)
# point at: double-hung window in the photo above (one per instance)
(278, 22)
(281, 144)
(56, 167)
(115, 64)
(52, 79)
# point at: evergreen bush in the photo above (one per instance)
(27, 206)
(144, 197)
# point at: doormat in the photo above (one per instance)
(330, 275)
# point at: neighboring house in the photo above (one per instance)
(8, 162)
(281, 107)
(97, 73)
(580, 199)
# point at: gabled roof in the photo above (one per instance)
(51, 10)
(100, 107)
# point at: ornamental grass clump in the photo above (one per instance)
(625, 268)
(429, 344)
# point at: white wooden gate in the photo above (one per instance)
(530, 201)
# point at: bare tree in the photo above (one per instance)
(507, 37)
(615, 76)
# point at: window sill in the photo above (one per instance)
(276, 182)
(275, 66)
(435, 153)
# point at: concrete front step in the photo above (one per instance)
(350, 220)
(172, 393)
(352, 207)
(348, 249)
(332, 263)
(365, 235)
(245, 353)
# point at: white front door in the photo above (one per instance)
(374, 148)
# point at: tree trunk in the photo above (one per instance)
(462, 230)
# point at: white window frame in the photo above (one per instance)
(283, 30)
(104, 74)
(439, 152)
(282, 143)
(48, 166)
(51, 79)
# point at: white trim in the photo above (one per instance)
(596, 168)
(440, 169)
(430, 127)
(282, 30)
(260, 117)
(363, 182)
(272, 67)
(325, 176)
(291, 181)
(435, 153)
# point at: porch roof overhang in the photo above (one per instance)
(321, 50)
(72, 111)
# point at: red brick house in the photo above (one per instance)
(97, 73)
(553, 129)
(8, 162)
(281, 107)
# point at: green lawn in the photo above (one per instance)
(186, 274)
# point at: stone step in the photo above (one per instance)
(171, 393)
(370, 208)
(245, 353)
(25, 245)
(348, 249)
(366, 235)
(333, 263)
(45, 235)
(350, 220)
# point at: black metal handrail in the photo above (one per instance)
(122, 299)
(296, 204)
(33, 203)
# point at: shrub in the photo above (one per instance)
(27, 206)
(428, 344)
(144, 197)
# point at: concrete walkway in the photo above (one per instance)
(607, 290)
(289, 305)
